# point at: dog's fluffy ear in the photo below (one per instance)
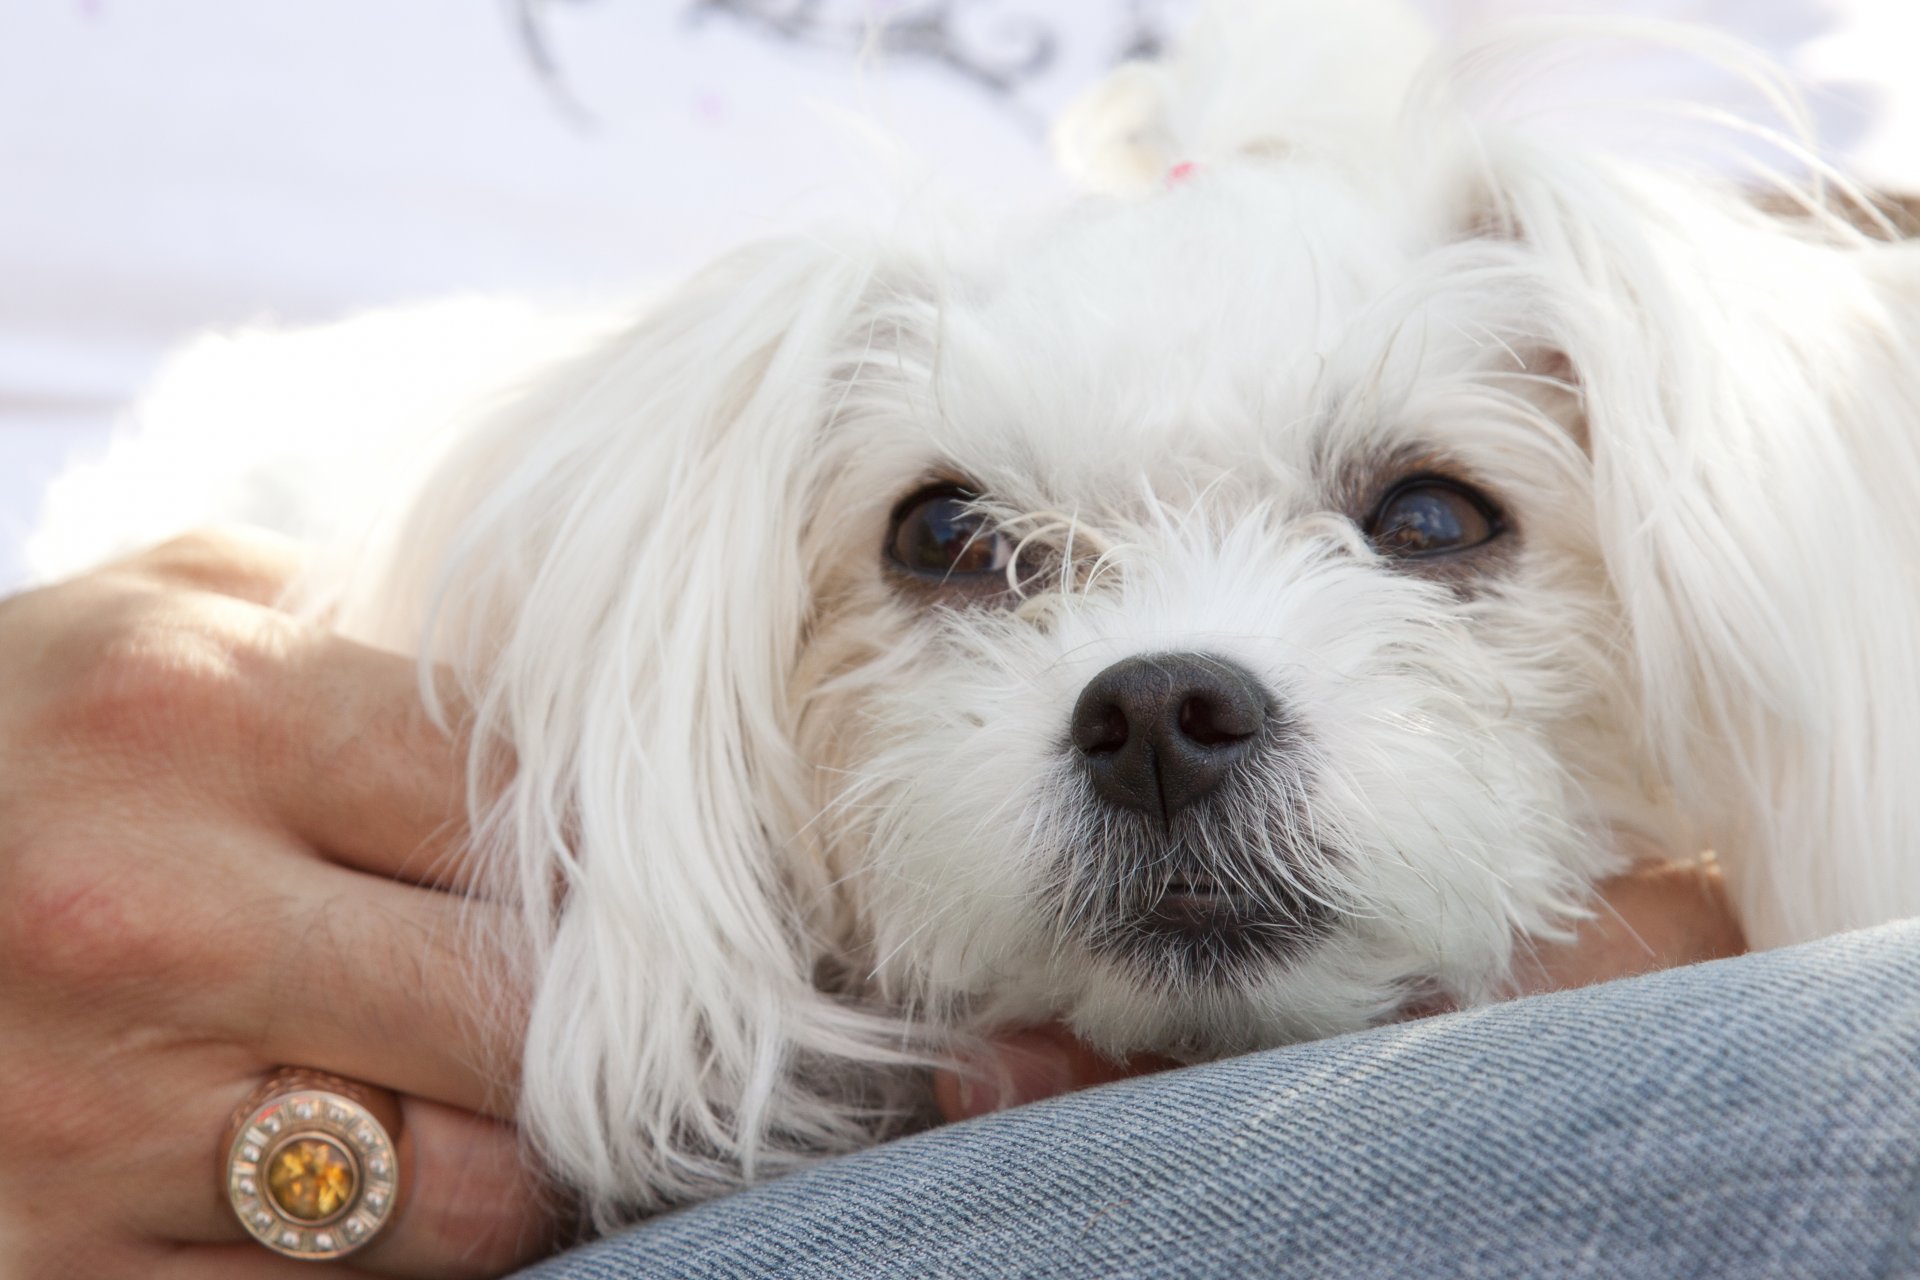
(1750, 392)
(623, 588)
(1812, 624)
(1250, 77)
(1748, 388)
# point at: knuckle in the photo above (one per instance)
(58, 929)
(106, 910)
(155, 683)
(192, 547)
(251, 564)
(117, 679)
(152, 677)
(203, 557)
(75, 921)
(201, 545)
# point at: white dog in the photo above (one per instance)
(1253, 601)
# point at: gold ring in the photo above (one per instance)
(311, 1170)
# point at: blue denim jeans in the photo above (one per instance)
(1755, 1117)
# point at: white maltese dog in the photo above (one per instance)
(1254, 600)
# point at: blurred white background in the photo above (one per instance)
(168, 168)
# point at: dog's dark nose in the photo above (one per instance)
(1158, 732)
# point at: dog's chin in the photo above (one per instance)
(1123, 1012)
(1196, 931)
(1197, 970)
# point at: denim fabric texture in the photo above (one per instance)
(1756, 1117)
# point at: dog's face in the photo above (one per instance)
(1230, 614)
(1210, 644)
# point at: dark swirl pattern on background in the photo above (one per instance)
(996, 45)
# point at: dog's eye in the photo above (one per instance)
(937, 534)
(1426, 516)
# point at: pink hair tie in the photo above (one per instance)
(1179, 173)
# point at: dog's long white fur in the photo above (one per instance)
(778, 831)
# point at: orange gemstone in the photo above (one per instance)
(311, 1179)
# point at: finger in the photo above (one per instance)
(243, 1262)
(469, 1204)
(1022, 1068)
(389, 984)
(472, 1205)
(1654, 917)
(361, 770)
(364, 769)
(250, 564)
(343, 749)
(1028, 1066)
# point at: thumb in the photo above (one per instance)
(1028, 1065)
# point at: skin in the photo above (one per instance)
(230, 842)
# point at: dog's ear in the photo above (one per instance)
(624, 589)
(1750, 393)
(1250, 77)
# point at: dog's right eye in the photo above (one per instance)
(1427, 515)
(937, 533)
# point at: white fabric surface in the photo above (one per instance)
(166, 168)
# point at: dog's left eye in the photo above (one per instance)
(937, 534)
(1426, 515)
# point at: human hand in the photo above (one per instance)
(1654, 917)
(230, 842)
(1658, 916)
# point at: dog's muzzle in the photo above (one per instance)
(1197, 865)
